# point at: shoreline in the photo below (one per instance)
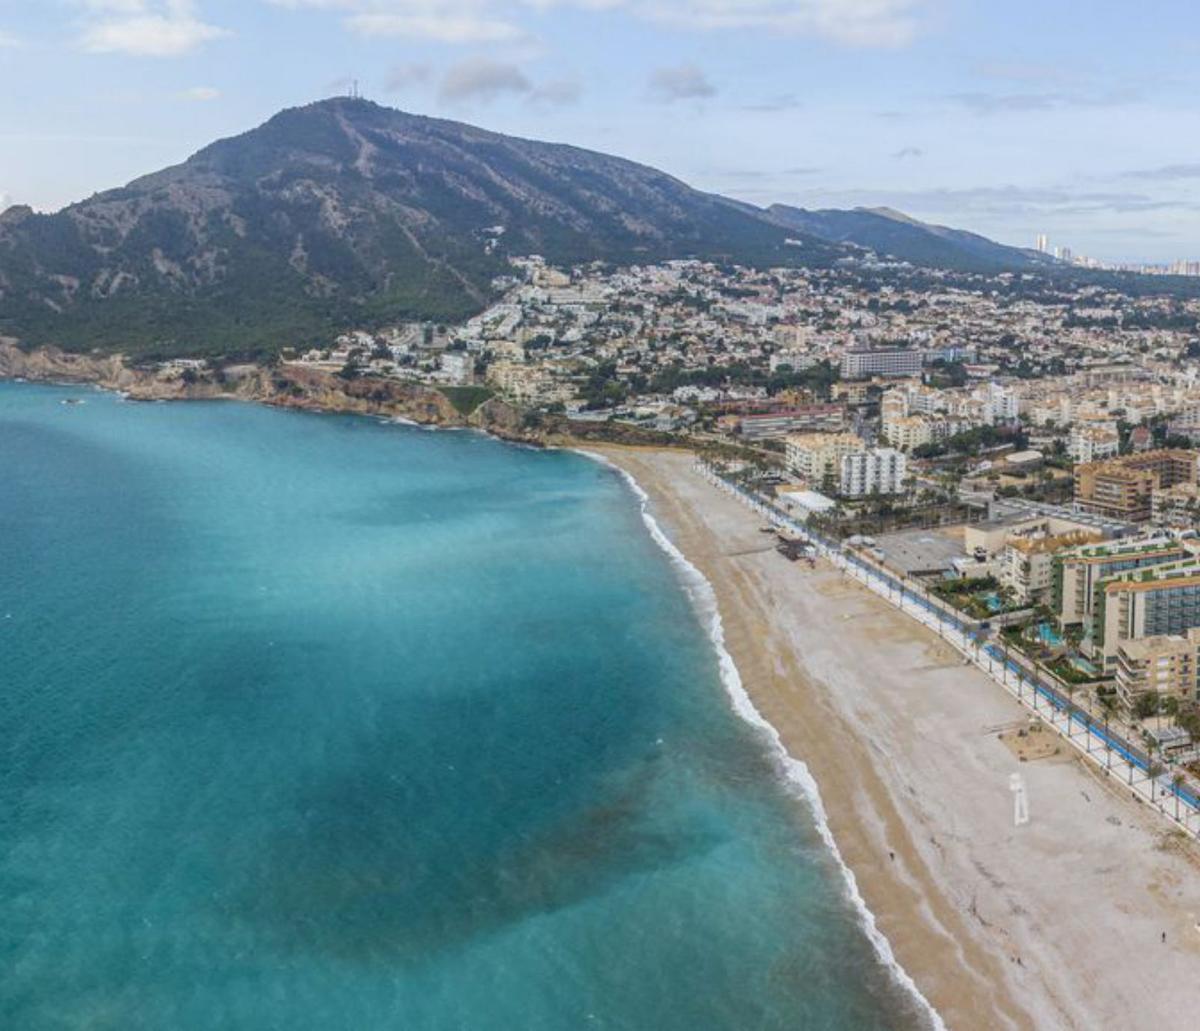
(962, 952)
(996, 927)
(798, 778)
(304, 389)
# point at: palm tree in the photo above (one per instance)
(1155, 770)
(1070, 705)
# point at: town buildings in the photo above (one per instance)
(878, 471)
(889, 362)
(1151, 602)
(828, 418)
(1123, 488)
(1157, 668)
(1027, 563)
(1177, 507)
(1090, 442)
(1079, 572)
(817, 457)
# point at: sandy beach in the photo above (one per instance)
(1057, 924)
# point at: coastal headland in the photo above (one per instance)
(304, 389)
(1057, 924)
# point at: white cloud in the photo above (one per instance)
(851, 22)
(439, 21)
(482, 79)
(405, 76)
(201, 94)
(439, 28)
(1023, 103)
(558, 93)
(145, 28)
(685, 82)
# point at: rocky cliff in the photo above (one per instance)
(289, 386)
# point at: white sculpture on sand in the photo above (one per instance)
(1016, 784)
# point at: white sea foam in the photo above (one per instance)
(797, 774)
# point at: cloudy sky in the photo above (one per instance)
(1077, 120)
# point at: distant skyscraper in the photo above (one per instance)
(1042, 243)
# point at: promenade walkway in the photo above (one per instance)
(1085, 730)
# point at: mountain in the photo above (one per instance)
(346, 213)
(891, 233)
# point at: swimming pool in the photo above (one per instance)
(1084, 666)
(1049, 636)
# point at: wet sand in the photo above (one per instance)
(1056, 924)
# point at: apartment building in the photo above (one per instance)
(1092, 443)
(852, 393)
(889, 363)
(879, 471)
(1078, 572)
(458, 366)
(893, 406)
(1115, 491)
(817, 457)
(527, 383)
(1027, 563)
(792, 360)
(914, 431)
(1000, 404)
(1186, 424)
(827, 418)
(1161, 667)
(1153, 602)
(1177, 506)
(1123, 488)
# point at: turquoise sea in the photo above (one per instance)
(313, 722)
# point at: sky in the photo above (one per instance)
(1077, 120)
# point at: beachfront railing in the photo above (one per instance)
(1118, 758)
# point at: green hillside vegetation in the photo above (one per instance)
(344, 214)
(467, 399)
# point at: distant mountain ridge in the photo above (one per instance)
(891, 233)
(345, 213)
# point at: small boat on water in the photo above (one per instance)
(73, 401)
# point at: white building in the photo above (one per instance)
(459, 366)
(880, 471)
(817, 457)
(919, 430)
(804, 504)
(794, 360)
(1000, 404)
(1092, 442)
(890, 363)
